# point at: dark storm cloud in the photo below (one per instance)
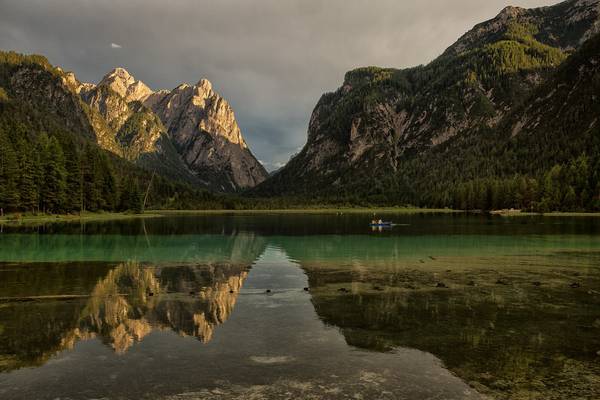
(272, 59)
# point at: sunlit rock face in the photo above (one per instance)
(216, 114)
(121, 82)
(205, 131)
(42, 87)
(133, 300)
(197, 121)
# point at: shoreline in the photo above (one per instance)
(325, 210)
(549, 214)
(13, 219)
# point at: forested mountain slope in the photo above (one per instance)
(51, 156)
(468, 129)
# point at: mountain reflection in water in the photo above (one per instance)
(133, 300)
(123, 307)
(512, 313)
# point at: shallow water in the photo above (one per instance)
(194, 307)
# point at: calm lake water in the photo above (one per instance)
(302, 307)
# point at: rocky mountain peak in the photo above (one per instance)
(122, 73)
(565, 26)
(123, 83)
(195, 125)
(400, 114)
(585, 2)
(203, 126)
(205, 85)
(196, 119)
(119, 77)
(510, 12)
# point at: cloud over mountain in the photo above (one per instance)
(272, 59)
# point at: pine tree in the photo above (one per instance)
(28, 171)
(9, 175)
(570, 200)
(551, 191)
(131, 197)
(41, 150)
(108, 188)
(135, 198)
(73, 179)
(54, 181)
(92, 181)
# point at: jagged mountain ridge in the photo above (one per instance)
(565, 25)
(380, 120)
(191, 128)
(48, 131)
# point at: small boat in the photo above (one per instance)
(382, 224)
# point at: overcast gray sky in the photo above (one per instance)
(271, 59)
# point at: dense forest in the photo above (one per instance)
(50, 177)
(482, 176)
(50, 161)
(52, 171)
(501, 120)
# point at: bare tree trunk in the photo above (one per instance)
(147, 191)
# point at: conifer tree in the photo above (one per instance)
(91, 180)
(131, 196)
(28, 176)
(73, 179)
(41, 150)
(108, 184)
(135, 198)
(9, 175)
(54, 181)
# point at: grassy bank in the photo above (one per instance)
(374, 210)
(24, 218)
(316, 210)
(17, 219)
(84, 217)
(550, 214)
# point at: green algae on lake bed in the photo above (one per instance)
(511, 334)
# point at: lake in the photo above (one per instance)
(440, 306)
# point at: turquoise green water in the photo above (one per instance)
(243, 247)
(301, 306)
